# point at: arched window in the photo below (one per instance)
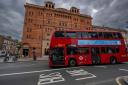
(49, 6)
(52, 6)
(46, 5)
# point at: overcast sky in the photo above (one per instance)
(111, 13)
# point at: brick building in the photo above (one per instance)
(41, 21)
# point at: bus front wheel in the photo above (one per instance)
(113, 60)
(72, 62)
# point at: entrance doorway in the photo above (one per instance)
(46, 51)
(25, 52)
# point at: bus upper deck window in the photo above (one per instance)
(117, 35)
(94, 35)
(84, 35)
(108, 35)
(71, 35)
(79, 34)
(100, 35)
(59, 34)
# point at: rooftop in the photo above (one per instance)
(57, 9)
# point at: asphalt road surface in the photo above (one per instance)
(38, 73)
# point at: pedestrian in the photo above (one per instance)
(6, 59)
(34, 54)
(15, 58)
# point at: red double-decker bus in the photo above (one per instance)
(71, 48)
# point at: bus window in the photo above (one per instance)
(103, 50)
(95, 50)
(57, 53)
(100, 35)
(59, 34)
(117, 35)
(116, 49)
(110, 50)
(71, 50)
(71, 35)
(79, 35)
(84, 35)
(89, 35)
(93, 34)
(83, 50)
(108, 35)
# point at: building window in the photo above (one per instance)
(76, 25)
(62, 23)
(48, 34)
(49, 6)
(52, 6)
(82, 20)
(29, 29)
(48, 22)
(30, 13)
(28, 36)
(46, 5)
(47, 44)
(30, 20)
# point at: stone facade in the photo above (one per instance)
(41, 21)
(8, 45)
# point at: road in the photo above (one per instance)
(38, 73)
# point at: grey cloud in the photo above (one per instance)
(11, 17)
(114, 15)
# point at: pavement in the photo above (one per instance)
(38, 73)
(24, 59)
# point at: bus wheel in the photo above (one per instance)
(113, 60)
(72, 62)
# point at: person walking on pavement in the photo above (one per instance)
(15, 58)
(34, 54)
(6, 59)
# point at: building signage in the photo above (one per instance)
(99, 42)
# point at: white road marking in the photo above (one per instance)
(123, 69)
(30, 72)
(50, 78)
(92, 76)
(77, 72)
(101, 66)
(117, 81)
(80, 73)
